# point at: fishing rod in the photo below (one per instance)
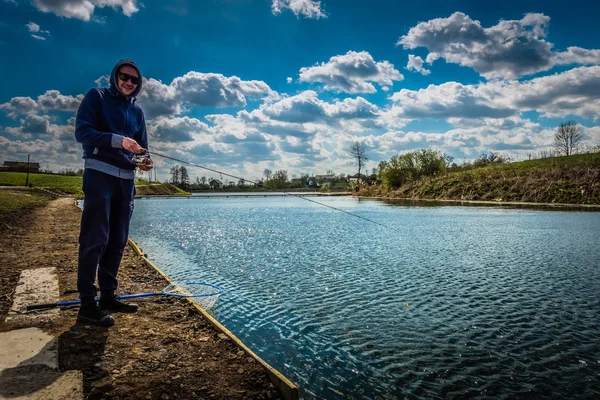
(267, 187)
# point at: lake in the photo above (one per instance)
(442, 302)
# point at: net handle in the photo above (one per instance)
(166, 291)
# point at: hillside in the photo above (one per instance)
(570, 180)
(159, 189)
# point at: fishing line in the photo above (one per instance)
(272, 189)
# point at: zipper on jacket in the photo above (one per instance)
(126, 123)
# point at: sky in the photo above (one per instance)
(247, 85)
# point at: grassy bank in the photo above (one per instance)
(71, 185)
(159, 189)
(570, 180)
(12, 200)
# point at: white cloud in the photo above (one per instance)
(352, 72)
(53, 100)
(158, 99)
(175, 129)
(32, 124)
(84, 9)
(307, 8)
(577, 55)
(200, 89)
(19, 106)
(216, 90)
(416, 64)
(104, 80)
(36, 32)
(306, 107)
(38, 126)
(593, 134)
(573, 92)
(450, 99)
(510, 49)
(33, 27)
(289, 80)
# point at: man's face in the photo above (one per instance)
(124, 78)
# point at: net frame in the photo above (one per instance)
(203, 294)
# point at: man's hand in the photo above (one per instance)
(146, 165)
(132, 146)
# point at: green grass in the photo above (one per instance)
(15, 200)
(72, 184)
(570, 180)
(67, 184)
(159, 189)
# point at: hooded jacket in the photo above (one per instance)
(104, 118)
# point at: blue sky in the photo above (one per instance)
(244, 85)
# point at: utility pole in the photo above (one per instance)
(27, 178)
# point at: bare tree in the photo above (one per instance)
(567, 137)
(175, 175)
(267, 173)
(184, 177)
(358, 152)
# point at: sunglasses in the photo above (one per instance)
(126, 77)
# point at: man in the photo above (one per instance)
(111, 129)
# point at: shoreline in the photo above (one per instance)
(591, 207)
(286, 388)
(212, 195)
(168, 349)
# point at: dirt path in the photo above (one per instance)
(165, 351)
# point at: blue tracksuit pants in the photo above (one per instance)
(107, 210)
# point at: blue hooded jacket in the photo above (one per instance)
(104, 117)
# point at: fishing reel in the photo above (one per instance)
(141, 159)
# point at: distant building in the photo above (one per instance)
(20, 166)
(321, 178)
(354, 178)
(215, 183)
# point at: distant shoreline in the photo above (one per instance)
(243, 194)
(591, 207)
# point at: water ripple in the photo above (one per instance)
(467, 302)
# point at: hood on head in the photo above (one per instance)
(114, 86)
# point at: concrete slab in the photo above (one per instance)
(28, 368)
(35, 286)
(29, 357)
(26, 347)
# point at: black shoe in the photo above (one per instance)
(94, 316)
(113, 304)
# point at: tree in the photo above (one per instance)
(184, 177)
(267, 173)
(203, 180)
(491, 158)
(304, 178)
(174, 172)
(567, 137)
(278, 180)
(410, 167)
(358, 152)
